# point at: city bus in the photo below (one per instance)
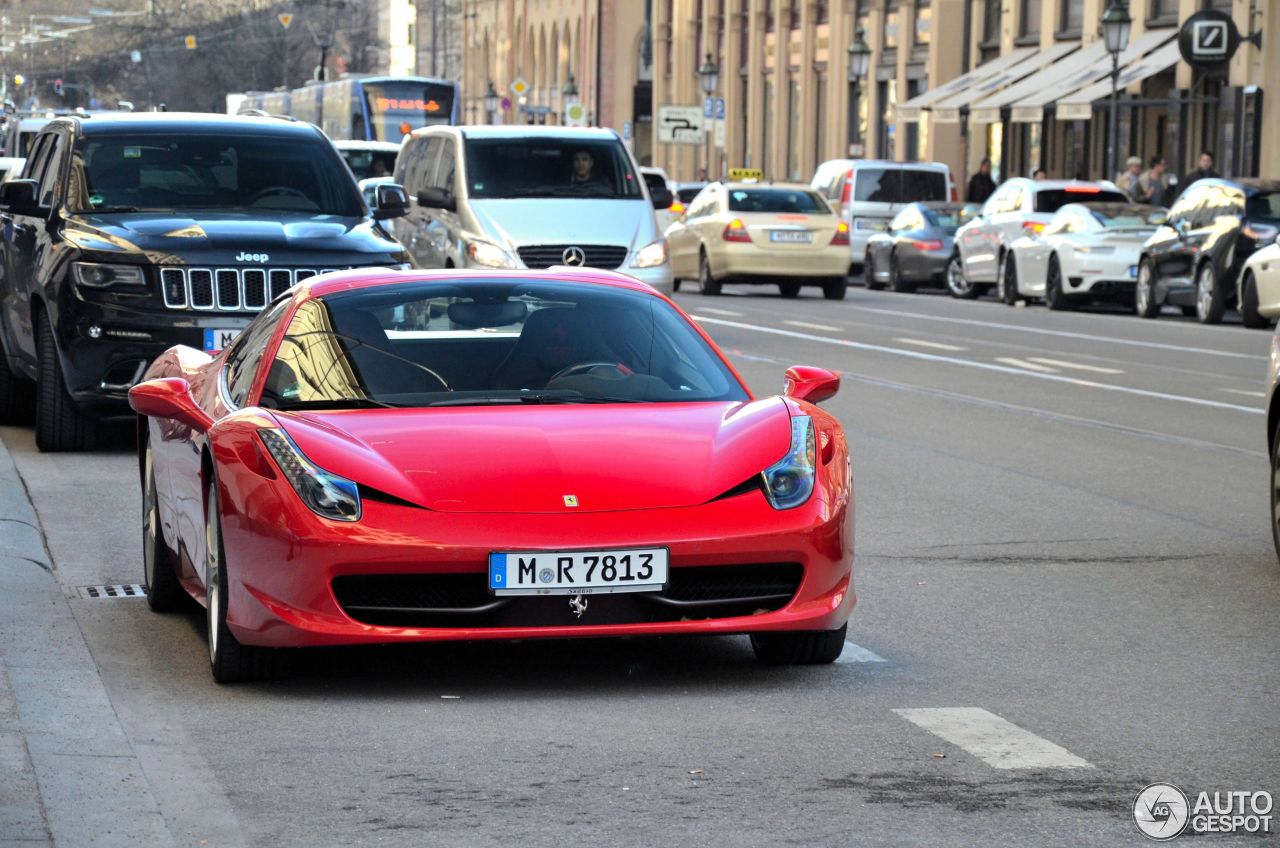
(364, 108)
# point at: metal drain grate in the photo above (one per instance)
(123, 590)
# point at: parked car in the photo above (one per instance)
(1273, 437)
(21, 130)
(686, 192)
(130, 233)
(1088, 251)
(1260, 287)
(917, 246)
(10, 167)
(448, 482)
(368, 159)
(772, 233)
(1019, 206)
(511, 197)
(868, 193)
(1194, 260)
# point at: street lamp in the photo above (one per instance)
(1115, 33)
(859, 65)
(491, 103)
(709, 79)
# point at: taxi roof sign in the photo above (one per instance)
(740, 175)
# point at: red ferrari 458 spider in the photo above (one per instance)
(399, 456)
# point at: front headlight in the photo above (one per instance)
(789, 482)
(651, 255)
(327, 495)
(489, 255)
(96, 275)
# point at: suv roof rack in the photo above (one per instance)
(259, 113)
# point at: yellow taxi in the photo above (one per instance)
(750, 232)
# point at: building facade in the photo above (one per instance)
(789, 104)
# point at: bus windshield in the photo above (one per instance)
(396, 108)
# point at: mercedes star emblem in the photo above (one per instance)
(574, 256)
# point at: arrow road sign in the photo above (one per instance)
(681, 125)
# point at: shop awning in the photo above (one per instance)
(913, 109)
(1078, 106)
(1027, 100)
(948, 110)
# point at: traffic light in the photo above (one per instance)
(57, 86)
(190, 41)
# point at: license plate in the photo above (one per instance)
(791, 236)
(874, 224)
(577, 572)
(1133, 272)
(218, 338)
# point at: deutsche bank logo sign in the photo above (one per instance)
(1209, 39)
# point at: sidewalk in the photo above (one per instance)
(68, 774)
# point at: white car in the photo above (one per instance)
(657, 179)
(1087, 251)
(1260, 287)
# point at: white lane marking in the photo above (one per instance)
(935, 345)
(1245, 393)
(1022, 363)
(1097, 369)
(985, 366)
(729, 313)
(1063, 333)
(855, 653)
(806, 325)
(998, 743)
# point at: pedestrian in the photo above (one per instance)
(981, 186)
(1039, 174)
(1154, 184)
(1204, 170)
(702, 175)
(1128, 181)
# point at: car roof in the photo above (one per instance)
(1112, 207)
(1058, 185)
(805, 187)
(521, 131)
(350, 144)
(882, 163)
(1249, 184)
(121, 122)
(361, 278)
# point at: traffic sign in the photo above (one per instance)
(285, 18)
(19, 79)
(719, 115)
(57, 86)
(519, 87)
(190, 42)
(681, 125)
(709, 107)
(575, 115)
(135, 56)
(627, 130)
(745, 174)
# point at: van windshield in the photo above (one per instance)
(898, 185)
(550, 167)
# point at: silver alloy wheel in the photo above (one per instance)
(955, 277)
(1204, 290)
(150, 521)
(212, 585)
(1142, 291)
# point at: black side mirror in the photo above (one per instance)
(389, 201)
(662, 198)
(435, 197)
(18, 197)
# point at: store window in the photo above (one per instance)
(1072, 19)
(1029, 20)
(923, 23)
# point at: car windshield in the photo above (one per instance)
(950, 219)
(1117, 217)
(898, 185)
(550, 167)
(366, 164)
(170, 171)
(493, 342)
(1053, 199)
(1263, 207)
(780, 200)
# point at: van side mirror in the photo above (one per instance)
(18, 197)
(169, 397)
(662, 197)
(434, 197)
(808, 383)
(389, 201)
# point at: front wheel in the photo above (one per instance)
(1144, 295)
(1054, 297)
(957, 283)
(164, 592)
(869, 274)
(1210, 301)
(1008, 284)
(229, 660)
(60, 424)
(799, 647)
(1249, 305)
(707, 282)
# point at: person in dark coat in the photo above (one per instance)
(981, 186)
(1203, 172)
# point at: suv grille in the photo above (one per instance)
(606, 256)
(243, 289)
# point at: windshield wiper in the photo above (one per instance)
(338, 403)
(527, 399)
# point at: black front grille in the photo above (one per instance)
(228, 288)
(463, 600)
(606, 256)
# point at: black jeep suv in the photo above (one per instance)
(131, 233)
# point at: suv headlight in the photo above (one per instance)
(789, 482)
(95, 275)
(489, 255)
(327, 495)
(651, 255)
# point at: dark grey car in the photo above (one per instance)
(917, 245)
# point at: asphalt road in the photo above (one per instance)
(1062, 528)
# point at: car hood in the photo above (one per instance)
(533, 221)
(284, 237)
(528, 459)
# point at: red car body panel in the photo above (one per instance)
(444, 487)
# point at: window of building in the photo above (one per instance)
(411, 34)
(915, 87)
(990, 29)
(793, 14)
(668, 26)
(1072, 20)
(1029, 20)
(819, 117)
(697, 37)
(1220, 5)
(767, 124)
(888, 99)
(1164, 11)
(891, 17)
(822, 11)
(794, 106)
(924, 23)
(769, 14)
(744, 122)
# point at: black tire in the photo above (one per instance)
(957, 283)
(1008, 284)
(675, 286)
(1187, 311)
(799, 647)
(60, 424)
(789, 289)
(707, 282)
(229, 660)
(1275, 493)
(869, 275)
(1144, 295)
(1054, 297)
(1249, 305)
(835, 288)
(1211, 301)
(17, 396)
(164, 592)
(896, 281)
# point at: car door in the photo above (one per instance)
(1008, 223)
(709, 224)
(37, 234)
(16, 282)
(440, 225)
(682, 242)
(1167, 248)
(975, 239)
(420, 160)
